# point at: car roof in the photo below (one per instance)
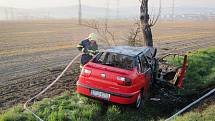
(131, 51)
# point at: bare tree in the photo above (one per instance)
(102, 30)
(147, 23)
(80, 13)
(134, 36)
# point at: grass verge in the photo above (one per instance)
(206, 115)
(79, 108)
(200, 72)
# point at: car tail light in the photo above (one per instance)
(123, 81)
(86, 72)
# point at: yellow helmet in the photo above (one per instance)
(92, 36)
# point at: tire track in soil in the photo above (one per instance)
(34, 64)
(20, 89)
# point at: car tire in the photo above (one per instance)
(139, 100)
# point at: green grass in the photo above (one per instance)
(79, 108)
(60, 108)
(76, 108)
(207, 115)
(201, 73)
(201, 69)
(16, 113)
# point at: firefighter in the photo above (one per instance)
(89, 48)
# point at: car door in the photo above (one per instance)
(145, 70)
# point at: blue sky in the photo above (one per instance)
(101, 3)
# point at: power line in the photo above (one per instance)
(107, 11)
(6, 14)
(12, 13)
(117, 8)
(173, 10)
(80, 13)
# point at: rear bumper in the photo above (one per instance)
(120, 98)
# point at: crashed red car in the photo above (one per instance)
(121, 74)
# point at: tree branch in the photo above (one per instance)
(102, 30)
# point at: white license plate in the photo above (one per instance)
(102, 95)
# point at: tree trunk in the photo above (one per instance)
(146, 28)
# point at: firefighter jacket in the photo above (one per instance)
(89, 49)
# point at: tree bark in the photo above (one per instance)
(146, 27)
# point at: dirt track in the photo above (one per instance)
(32, 54)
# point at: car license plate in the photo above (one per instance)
(102, 95)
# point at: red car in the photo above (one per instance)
(121, 74)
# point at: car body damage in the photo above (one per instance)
(171, 72)
(124, 74)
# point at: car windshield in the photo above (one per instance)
(115, 60)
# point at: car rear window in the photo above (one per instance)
(115, 60)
